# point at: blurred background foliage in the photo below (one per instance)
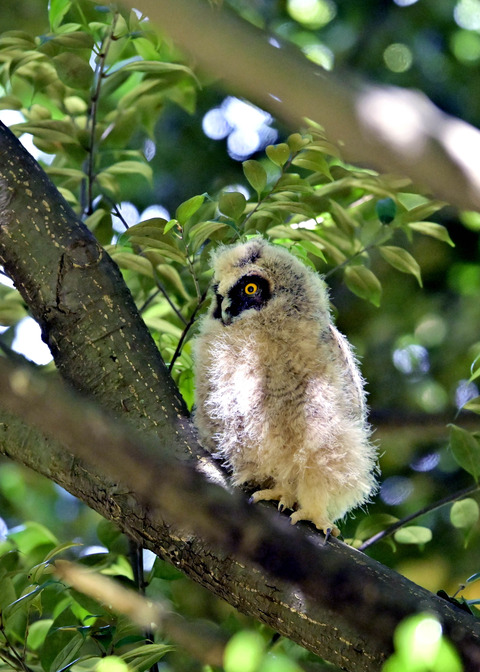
(154, 166)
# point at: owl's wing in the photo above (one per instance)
(353, 378)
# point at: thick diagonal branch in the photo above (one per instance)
(364, 600)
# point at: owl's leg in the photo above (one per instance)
(285, 500)
(320, 523)
(312, 506)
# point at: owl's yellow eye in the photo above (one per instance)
(251, 289)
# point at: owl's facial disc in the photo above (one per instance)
(251, 291)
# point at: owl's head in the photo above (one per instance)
(259, 276)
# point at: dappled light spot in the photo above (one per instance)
(462, 142)
(312, 13)
(411, 360)
(398, 57)
(431, 330)
(214, 124)
(465, 391)
(431, 396)
(426, 462)
(395, 490)
(28, 342)
(246, 127)
(399, 116)
(467, 14)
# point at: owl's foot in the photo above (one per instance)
(284, 501)
(322, 524)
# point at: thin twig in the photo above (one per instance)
(148, 301)
(186, 330)
(168, 299)
(460, 494)
(92, 117)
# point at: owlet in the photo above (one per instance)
(279, 397)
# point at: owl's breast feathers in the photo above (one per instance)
(273, 389)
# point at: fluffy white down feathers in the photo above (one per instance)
(278, 393)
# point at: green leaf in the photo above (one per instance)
(255, 174)
(433, 230)
(414, 534)
(473, 404)
(75, 39)
(374, 524)
(112, 664)
(150, 228)
(133, 262)
(232, 204)
(464, 514)
(32, 535)
(158, 68)
(421, 647)
(244, 652)
(289, 207)
(56, 11)
(188, 208)
(166, 249)
(345, 222)
(7, 592)
(312, 160)
(362, 282)
(68, 652)
(24, 601)
(421, 211)
(107, 533)
(129, 167)
(401, 260)
(313, 248)
(51, 131)
(70, 173)
(473, 578)
(278, 154)
(73, 70)
(201, 231)
(465, 450)
(296, 142)
(10, 102)
(169, 225)
(164, 570)
(37, 632)
(143, 657)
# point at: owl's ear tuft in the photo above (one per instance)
(252, 253)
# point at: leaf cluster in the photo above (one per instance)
(45, 625)
(91, 90)
(98, 79)
(332, 216)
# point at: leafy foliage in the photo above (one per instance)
(44, 625)
(91, 91)
(97, 79)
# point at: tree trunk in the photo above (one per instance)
(328, 597)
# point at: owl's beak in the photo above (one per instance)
(226, 317)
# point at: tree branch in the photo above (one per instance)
(385, 127)
(360, 600)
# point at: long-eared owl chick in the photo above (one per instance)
(278, 394)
